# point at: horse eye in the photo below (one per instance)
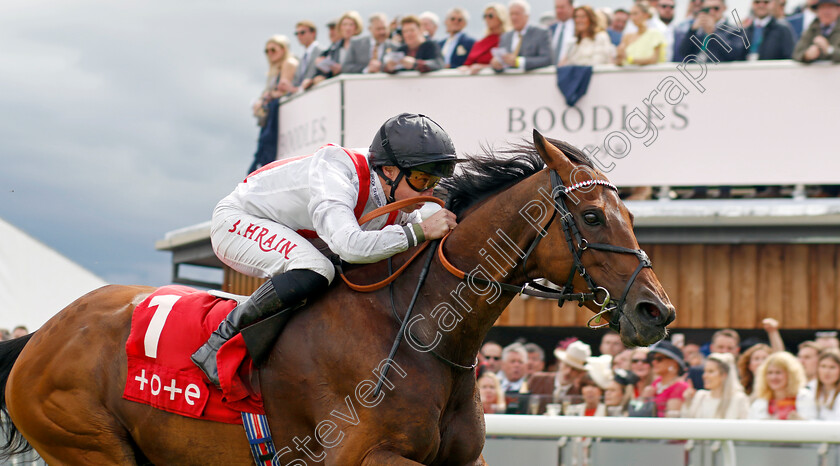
(591, 218)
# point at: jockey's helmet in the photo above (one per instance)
(413, 142)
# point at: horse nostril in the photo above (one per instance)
(653, 313)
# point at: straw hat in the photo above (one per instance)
(575, 355)
(600, 370)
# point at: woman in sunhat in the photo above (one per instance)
(668, 386)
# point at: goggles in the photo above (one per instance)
(421, 181)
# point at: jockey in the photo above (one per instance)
(260, 229)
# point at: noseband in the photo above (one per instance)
(577, 246)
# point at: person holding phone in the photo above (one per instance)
(707, 31)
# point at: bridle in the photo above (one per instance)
(577, 246)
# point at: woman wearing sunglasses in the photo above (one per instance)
(261, 228)
(668, 386)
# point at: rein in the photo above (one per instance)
(577, 245)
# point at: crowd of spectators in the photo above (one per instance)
(723, 379)
(645, 33)
(17, 332)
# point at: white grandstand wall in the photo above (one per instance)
(753, 123)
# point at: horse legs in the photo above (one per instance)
(62, 438)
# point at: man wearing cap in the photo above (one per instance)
(821, 40)
(261, 228)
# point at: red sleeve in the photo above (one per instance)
(480, 52)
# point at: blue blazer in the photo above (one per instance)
(687, 47)
(465, 43)
(615, 37)
(796, 22)
(777, 43)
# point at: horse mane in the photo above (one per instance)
(491, 171)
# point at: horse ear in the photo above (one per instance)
(553, 157)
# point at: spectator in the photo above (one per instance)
(666, 10)
(707, 29)
(641, 367)
(593, 47)
(692, 354)
(726, 341)
(723, 341)
(610, 341)
(808, 354)
(800, 21)
(652, 23)
(330, 65)
(526, 47)
(644, 47)
(417, 53)
(20, 331)
(681, 29)
(491, 394)
(827, 340)
(281, 71)
(617, 25)
(723, 397)
(622, 360)
(5, 335)
(821, 403)
(777, 382)
(562, 32)
(618, 393)
(667, 388)
(572, 368)
(514, 359)
(498, 22)
(457, 45)
(366, 53)
(597, 378)
(429, 23)
(333, 33)
(491, 353)
(749, 362)
(770, 38)
(306, 34)
(536, 359)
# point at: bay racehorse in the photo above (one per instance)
(544, 212)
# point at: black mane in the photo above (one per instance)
(491, 171)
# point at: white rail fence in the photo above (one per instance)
(573, 440)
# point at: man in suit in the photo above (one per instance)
(666, 8)
(458, 44)
(770, 38)
(528, 47)
(708, 22)
(364, 51)
(821, 41)
(306, 33)
(617, 25)
(800, 20)
(562, 32)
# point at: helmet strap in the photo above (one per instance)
(392, 183)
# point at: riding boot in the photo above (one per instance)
(282, 292)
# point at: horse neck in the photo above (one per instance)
(488, 242)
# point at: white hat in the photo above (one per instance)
(600, 369)
(575, 355)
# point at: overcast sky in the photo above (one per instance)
(122, 120)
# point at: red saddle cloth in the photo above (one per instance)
(168, 327)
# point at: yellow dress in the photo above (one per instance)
(644, 46)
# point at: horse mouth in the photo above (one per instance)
(645, 324)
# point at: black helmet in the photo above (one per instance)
(411, 140)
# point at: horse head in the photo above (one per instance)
(591, 246)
